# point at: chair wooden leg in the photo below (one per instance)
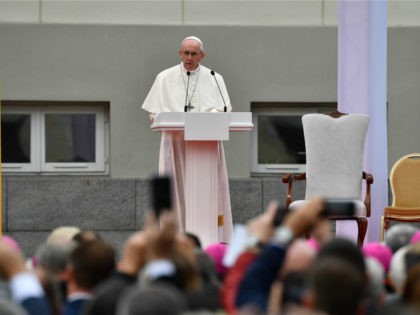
(386, 221)
(362, 224)
(382, 229)
(386, 225)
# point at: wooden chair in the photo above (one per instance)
(405, 185)
(334, 145)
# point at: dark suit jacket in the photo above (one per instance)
(107, 294)
(74, 307)
(255, 287)
(36, 306)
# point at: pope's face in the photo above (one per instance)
(191, 54)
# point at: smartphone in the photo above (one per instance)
(280, 214)
(339, 208)
(161, 193)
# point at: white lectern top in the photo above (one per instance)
(205, 125)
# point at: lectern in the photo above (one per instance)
(202, 134)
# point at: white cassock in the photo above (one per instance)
(168, 94)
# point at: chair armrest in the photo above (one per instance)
(369, 180)
(288, 179)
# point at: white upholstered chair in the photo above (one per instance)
(334, 163)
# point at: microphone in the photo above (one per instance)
(220, 91)
(186, 92)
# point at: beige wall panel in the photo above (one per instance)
(19, 11)
(119, 63)
(330, 12)
(403, 92)
(257, 12)
(403, 12)
(112, 12)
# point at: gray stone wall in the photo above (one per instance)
(33, 206)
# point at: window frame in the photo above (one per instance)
(281, 109)
(37, 111)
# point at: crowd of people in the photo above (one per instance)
(161, 270)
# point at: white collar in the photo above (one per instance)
(195, 71)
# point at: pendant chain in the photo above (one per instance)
(195, 86)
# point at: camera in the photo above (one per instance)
(339, 208)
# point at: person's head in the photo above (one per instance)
(216, 251)
(91, 263)
(194, 239)
(62, 235)
(344, 249)
(53, 258)
(376, 283)
(415, 238)
(191, 52)
(399, 235)
(293, 274)
(411, 292)
(335, 287)
(155, 299)
(380, 252)
(398, 270)
(11, 242)
(85, 236)
(299, 257)
(207, 269)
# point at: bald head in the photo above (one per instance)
(299, 257)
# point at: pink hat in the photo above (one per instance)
(415, 238)
(11, 243)
(380, 251)
(217, 252)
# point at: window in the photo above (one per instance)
(278, 145)
(54, 137)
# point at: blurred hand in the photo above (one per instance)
(162, 240)
(302, 220)
(262, 226)
(134, 253)
(322, 231)
(274, 306)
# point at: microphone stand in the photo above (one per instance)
(186, 92)
(220, 91)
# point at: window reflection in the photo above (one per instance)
(70, 138)
(280, 140)
(15, 138)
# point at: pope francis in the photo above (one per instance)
(190, 86)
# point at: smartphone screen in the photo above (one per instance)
(161, 194)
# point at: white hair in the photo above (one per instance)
(194, 38)
(62, 234)
(397, 270)
(376, 275)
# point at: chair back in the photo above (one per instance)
(405, 181)
(334, 154)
